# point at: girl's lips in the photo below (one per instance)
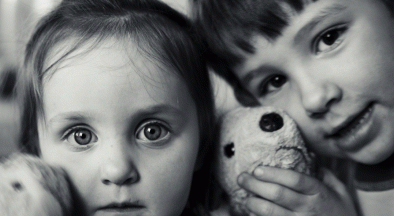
(121, 207)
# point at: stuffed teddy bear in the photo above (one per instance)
(31, 187)
(252, 137)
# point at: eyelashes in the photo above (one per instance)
(149, 132)
(329, 39)
(271, 84)
(325, 42)
(152, 131)
(80, 136)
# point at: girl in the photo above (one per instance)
(117, 93)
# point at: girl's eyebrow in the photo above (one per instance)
(162, 108)
(325, 13)
(75, 116)
(71, 116)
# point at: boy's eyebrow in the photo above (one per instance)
(325, 13)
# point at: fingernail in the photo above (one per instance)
(241, 177)
(258, 171)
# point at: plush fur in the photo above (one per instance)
(31, 187)
(252, 137)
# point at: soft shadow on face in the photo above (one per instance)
(127, 133)
(332, 71)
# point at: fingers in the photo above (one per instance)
(263, 207)
(289, 178)
(275, 193)
(286, 192)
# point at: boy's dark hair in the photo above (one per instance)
(163, 34)
(228, 25)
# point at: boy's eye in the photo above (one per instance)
(81, 136)
(329, 40)
(152, 131)
(271, 84)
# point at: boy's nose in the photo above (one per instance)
(318, 97)
(118, 167)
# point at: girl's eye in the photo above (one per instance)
(152, 131)
(81, 136)
(329, 40)
(271, 84)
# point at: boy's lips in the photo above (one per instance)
(350, 130)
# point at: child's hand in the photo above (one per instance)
(282, 192)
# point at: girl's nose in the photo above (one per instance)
(318, 97)
(119, 167)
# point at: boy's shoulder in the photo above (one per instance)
(376, 202)
(374, 186)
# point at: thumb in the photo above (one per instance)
(338, 187)
(330, 180)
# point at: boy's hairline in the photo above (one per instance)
(233, 49)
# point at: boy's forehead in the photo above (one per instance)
(301, 25)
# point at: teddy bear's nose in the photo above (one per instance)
(271, 122)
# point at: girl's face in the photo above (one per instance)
(125, 130)
(332, 70)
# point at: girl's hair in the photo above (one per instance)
(228, 25)
(162, 33)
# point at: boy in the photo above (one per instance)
(329, 64)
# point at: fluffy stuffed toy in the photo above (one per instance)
(252, 137)
(31, 187)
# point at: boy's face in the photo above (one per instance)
(125, 130)
(332, 70)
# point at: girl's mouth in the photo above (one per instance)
(120, 208)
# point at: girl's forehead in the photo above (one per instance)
(111, 66)
(112, 53)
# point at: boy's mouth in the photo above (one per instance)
(352, 124)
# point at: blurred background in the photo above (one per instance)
(17, 19)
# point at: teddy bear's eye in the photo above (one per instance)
(229, 150)
(17, 186)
